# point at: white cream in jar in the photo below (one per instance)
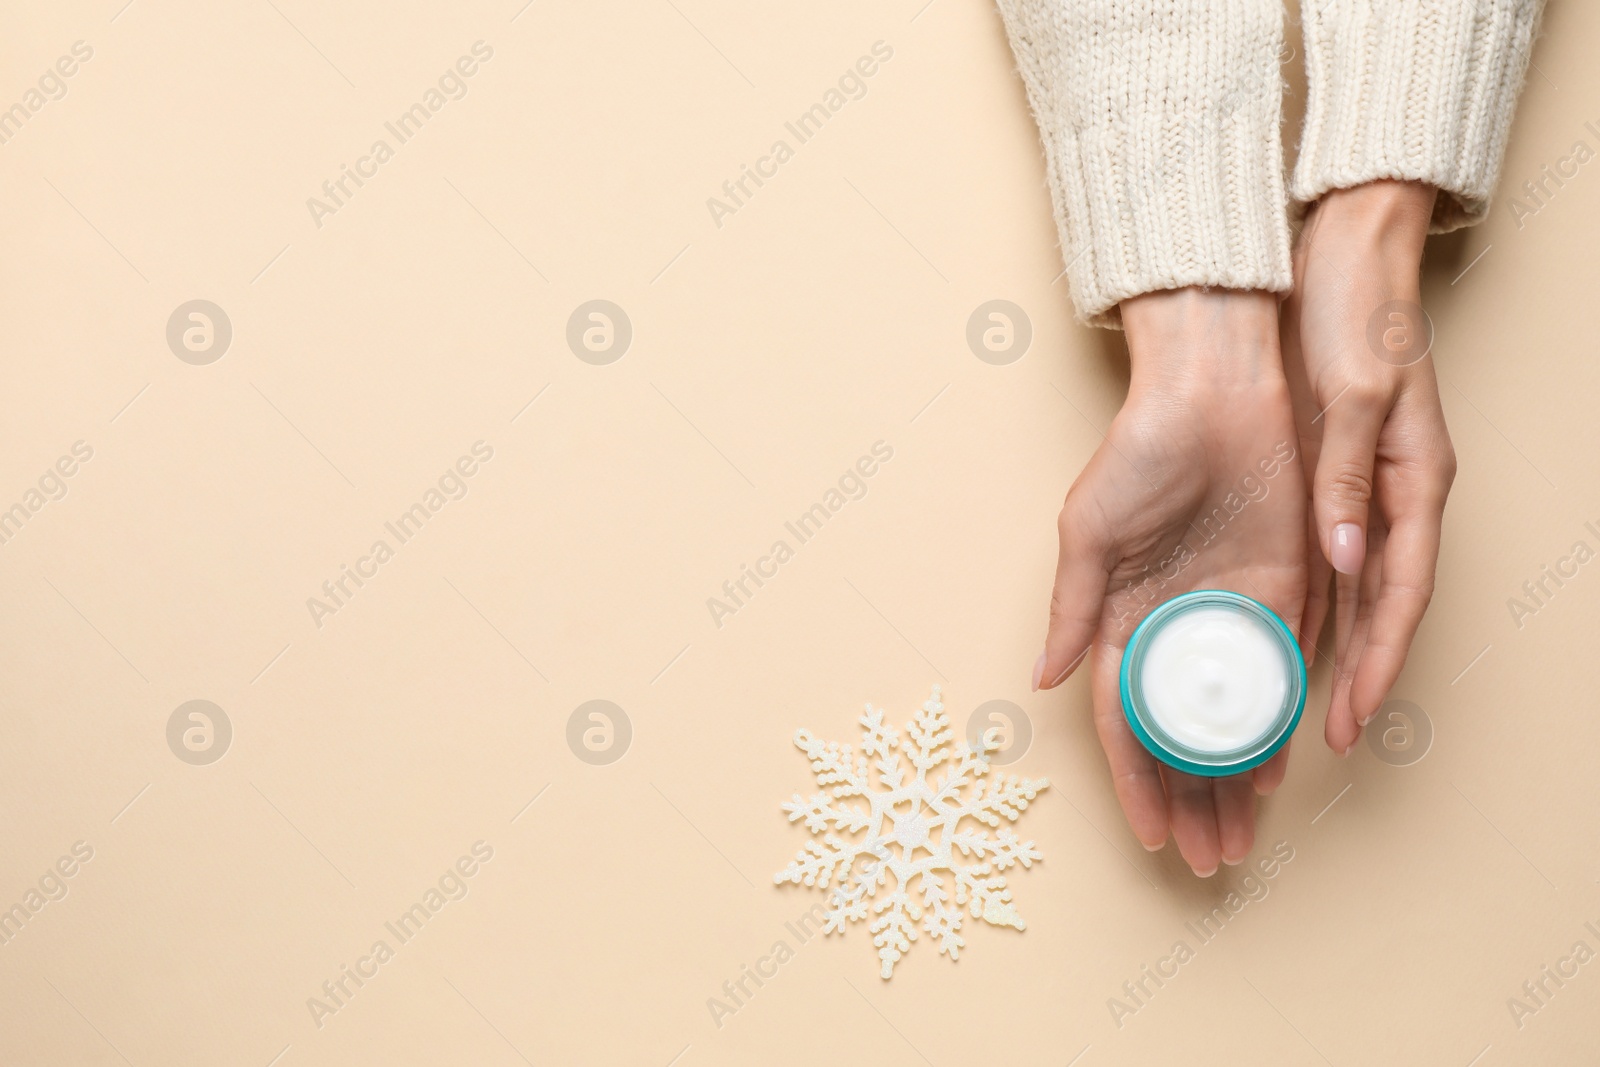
(1212, 682)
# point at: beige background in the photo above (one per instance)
(768, 354)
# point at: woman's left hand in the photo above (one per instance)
(1356, 347)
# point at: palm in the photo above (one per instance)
(1197, 509)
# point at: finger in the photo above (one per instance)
(1342, 488)
(1410, 554)
(1319, 598)
(1193, 814)
(1236, 817)
(1135, 775)
(1082, 573)
(1340, 728)
(1358, 596)
(1269, 776)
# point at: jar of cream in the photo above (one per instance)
(1213, 683)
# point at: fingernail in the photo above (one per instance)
(1205, 874)
(1349, 548)
(1157, 847)
(1369, 718)
(1233, 863)
(1038, 670)
(1349, 750)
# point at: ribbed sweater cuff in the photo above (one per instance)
(1412, 90)
(1161, 143)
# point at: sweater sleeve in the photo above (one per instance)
(1418, 90)
(1160, 124)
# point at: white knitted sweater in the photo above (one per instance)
(1160, 121)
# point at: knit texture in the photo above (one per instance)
(1159, 120)
(1419, 90)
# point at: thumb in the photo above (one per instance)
(1342, 487)
(1082, 573)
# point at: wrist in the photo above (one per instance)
(1391, 216)
(1192, 340)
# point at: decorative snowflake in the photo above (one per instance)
(910, 829)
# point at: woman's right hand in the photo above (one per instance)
(1197, 486)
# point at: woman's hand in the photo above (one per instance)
(1197, 486)
(1356, 346)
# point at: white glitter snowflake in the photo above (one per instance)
(911, 828)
